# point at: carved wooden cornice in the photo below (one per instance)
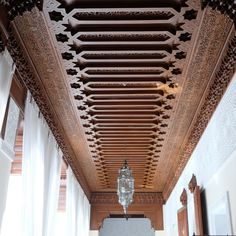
(27, 78)
(139, 198)
(225, 7)
(222, 77)
(18, 7)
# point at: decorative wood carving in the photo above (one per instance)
(184, 197)
(123, 77)
(85, 54)
(192, 184)
(195, 189)
(221, 78)
(28, 79)
(18, 7)
(148, 204)
(225, 7)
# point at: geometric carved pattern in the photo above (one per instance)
(222, 77)
(139, 198)
(125, 85)
(225, 7)
(124, 65)
(18, 7)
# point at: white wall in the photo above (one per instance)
(157, 233)
(130, 227)
(93, 233)
(213, 162)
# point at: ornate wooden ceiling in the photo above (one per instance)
(124, 79)
(125, 63)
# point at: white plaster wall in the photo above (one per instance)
(93, 233)
(213, 162)
(130, 227)
(157, 233)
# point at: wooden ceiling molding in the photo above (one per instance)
(103, 205)
(124, 80)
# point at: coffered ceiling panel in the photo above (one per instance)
(125, 79)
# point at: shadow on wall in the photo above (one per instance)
(130, 227)
(204, 213)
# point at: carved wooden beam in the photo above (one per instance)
(105, 204)
(225, 7)
(18, 7)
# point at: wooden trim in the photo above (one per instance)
(198, 211)
(182, 216)
(195, 189)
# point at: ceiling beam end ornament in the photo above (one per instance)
(105, 204)
(18, 7)
(224, 7)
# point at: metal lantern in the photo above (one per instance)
(125, 189)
